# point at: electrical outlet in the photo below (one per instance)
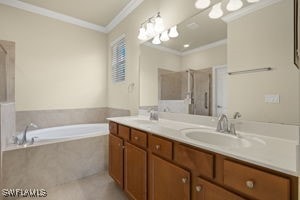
(272, 98)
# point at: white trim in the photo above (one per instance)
(133, 4)
(249, 9)
(178, 53)
(214, 90)
(166, 49)
(72, 20)
(205, 47)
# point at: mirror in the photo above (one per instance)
(242, 62)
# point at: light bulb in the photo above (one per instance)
(164, 36)
(216, 11)
(202, 4)
(173, 32)
(142, 34)
(159, 24)
(253, 1)
(150, 29)
(234, 5)
(156, 40)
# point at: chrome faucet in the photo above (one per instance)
(153, 115)
(232, 129)
(23, 140)
(222, 126)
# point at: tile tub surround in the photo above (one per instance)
(54, 164)
(7, 122)
(284, 159)
(53, 118)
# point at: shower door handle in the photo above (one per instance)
(205, 101)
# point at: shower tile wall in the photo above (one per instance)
(7, 71)
(3, 84)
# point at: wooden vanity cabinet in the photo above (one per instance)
(205, 190)
(135, 172)
(151, 167)
(128, 163)
(116, 159)
(168, 181)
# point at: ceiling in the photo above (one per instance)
(100, 12)
(206, 32)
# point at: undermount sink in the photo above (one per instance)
(218, 139)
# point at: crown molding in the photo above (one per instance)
(178, 53)
(249, 9)
(133, 4)
(166, 49)
(206, 47)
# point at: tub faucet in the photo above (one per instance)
(23, 140)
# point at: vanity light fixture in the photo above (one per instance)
(202, 4)
(216, 11)
(159, 24)
(164, 36)
(142, 34)
(234, 5)
(151, 27)
(173, 32)
(156, 40)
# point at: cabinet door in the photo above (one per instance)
(135, 172)
(205, 190)
(116, 159)
(168, 181)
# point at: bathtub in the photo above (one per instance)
(67, 132)
(58, 155)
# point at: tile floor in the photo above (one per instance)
(96, 187)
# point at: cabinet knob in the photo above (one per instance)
(157, 147)
(198, 188)
(250, 184)
(184, 180)
(136, 138)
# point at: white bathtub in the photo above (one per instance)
(67, 132)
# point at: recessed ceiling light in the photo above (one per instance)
(186, 45)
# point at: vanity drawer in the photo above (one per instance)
(138, 137)
(204, 190)
(256, 183)
(201, 163)
(113, 128)
(161, 147)
(123, 132)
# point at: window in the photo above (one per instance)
(118, 72)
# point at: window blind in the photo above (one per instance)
(119, 61)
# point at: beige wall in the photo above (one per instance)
(58, 65)
(118, 95)
(150, 60)
(206, 58)
(264, 39)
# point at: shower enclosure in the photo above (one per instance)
(187, 91)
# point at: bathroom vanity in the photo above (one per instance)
(152, 160)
